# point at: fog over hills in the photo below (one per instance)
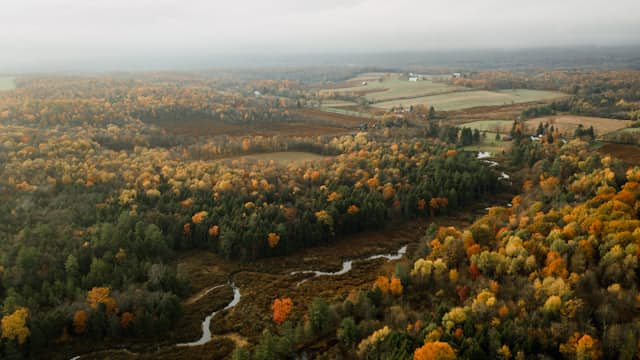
(73, 35)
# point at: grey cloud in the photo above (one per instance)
(37, 31)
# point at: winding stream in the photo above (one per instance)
(482, 156)
(206, 323)
(347, 265)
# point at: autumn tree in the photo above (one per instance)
(126, 319)
(79, 321)
(281, 309)
(273, 239)
(198, 217)
(382, 283)
(435, 350)
(14, 326)
(100, 295)
(395, 286)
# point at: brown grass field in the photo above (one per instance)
(568, 123)
(504, 112)
(302, 128)
(330, 118)
(627, 153)
(283, 157)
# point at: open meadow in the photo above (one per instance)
(494, 126)
(7, 83)
(470, 99)
(285, 157)
(338, 103)
(329, 124)
(388, 87)
(568, 123)
(489, 144)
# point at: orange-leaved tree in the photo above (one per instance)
(281, 309)
(436, 350)
(353, 209)
(100, 295)
(395, 286)
(126, 319)
(79, 321)
(382, 283)
(273, 239)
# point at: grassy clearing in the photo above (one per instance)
(630, 130)
(7, 83)
(489, 144)
(370, 76)
(338, 103)
(568, 123)
(346, 112)
(525, 95)
(470, 99)
(286, 157)
(502, 126)
(205, 127)
(385, 87)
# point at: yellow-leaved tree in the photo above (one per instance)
(436, 350)
(14, 326)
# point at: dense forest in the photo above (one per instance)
(553, 275)
(97, 201)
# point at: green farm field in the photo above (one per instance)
(470, 99)
(489, 144)
(503, 126)
(7, 83)
(393, 87)
(338, 103)
(568, 123)
(633, 130)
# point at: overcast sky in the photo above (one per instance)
(41, 31)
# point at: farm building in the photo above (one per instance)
(413, 78)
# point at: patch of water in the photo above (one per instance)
(347, 265)
(206, 323)
(484, 154)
